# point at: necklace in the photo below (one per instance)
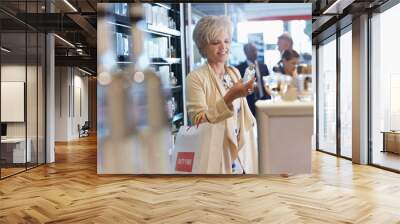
(227, 81)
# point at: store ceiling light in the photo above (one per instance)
(70, 5)
(337, 7)
(65, 41)
(79, 51)
(86, 72)
(5, 50)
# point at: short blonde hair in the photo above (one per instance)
(207, 28)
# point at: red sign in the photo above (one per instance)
(184, 161)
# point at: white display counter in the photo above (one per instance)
(284, 136)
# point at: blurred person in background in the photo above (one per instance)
(288, 66)
(285, 42)
(216, 95)
(250, 50)
(289, 61)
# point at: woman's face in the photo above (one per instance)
(217, 51)
(290, 65)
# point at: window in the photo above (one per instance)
(385, 89)
(346, 94)
(327, 96)
(22, 75)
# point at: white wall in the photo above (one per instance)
(33, 126)
(71, 93)
(61, 103)
(12, 73)
(81, 100)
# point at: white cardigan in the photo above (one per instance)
(203, 94)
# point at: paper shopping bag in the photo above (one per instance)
(199, 150)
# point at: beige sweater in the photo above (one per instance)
(204, 94)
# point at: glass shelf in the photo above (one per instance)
(176, 88)
(165, 61)
(177, 117)
(153, 33)
(162, 30)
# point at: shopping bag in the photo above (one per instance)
(199, 150)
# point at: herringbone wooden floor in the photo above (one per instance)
(70, 191)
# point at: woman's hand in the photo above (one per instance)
(200, 118)
(239, 90)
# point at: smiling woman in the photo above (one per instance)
(216, 95)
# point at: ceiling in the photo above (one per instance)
(75, 23)
(290, 9)
(253, 11)
(79, 27)
(327, 15)
(19, 54)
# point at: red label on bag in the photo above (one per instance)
(184, 161)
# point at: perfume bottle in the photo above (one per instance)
(173, 106)
(172, 52)
(172, 79)
(250, 73)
